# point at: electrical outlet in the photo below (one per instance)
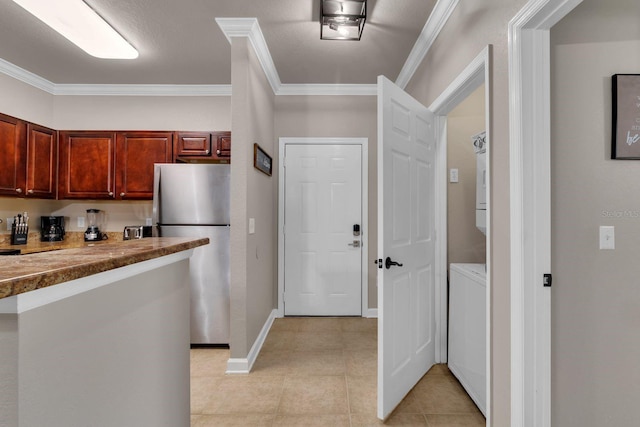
(252, 225)
(147, 221)
(9, 222)
(80, 222)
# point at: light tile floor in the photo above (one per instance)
(318, 372)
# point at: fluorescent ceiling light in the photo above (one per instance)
(81, 25)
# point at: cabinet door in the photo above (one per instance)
(13, 151)
(136, 153)
(222, 144)
(87, 165)
(42, 162)
(193, 144)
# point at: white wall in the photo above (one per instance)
(115, 354)
(253, 195)
(595, 302)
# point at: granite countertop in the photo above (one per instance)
(23, 273)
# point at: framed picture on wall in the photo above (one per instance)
(261, 160)
(625, 144)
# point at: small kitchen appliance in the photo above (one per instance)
(136, 232)
(95, 218)
(51, 228)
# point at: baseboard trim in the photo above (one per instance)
(244, 365)
(371, 313)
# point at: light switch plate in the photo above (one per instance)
(607, 237)
(453, 175)
(252, 225)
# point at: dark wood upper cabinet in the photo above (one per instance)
(87, 165)
(13, 156)
(42, 162)
(136, 153)
(197, 144)
(28, 159)
(209, 147)
(222, 144)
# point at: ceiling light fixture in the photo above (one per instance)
(342, 19)
(82, 26)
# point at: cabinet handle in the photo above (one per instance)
(30, 191)
(18, 190)
(121, 194)
(111, 193)
(206, 151)
(218, 152)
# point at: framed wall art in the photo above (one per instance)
(625, 144)
(261, 160)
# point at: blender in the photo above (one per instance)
(94, 219)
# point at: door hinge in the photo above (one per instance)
(547, 279)
(284, 162)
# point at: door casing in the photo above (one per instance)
(364, 143)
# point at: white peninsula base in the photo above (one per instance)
(110, 349)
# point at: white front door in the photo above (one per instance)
(406, 224)
(322, 204)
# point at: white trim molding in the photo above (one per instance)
(243, 366)
(328, 89)
(249, 27)
(45, 85)
(364, 143)
(530, 208)
(439, 16)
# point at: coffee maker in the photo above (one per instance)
(51, 228)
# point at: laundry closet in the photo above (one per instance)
(466, 244)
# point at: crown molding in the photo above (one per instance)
(142, 90)
(439, 16)
(38, 82)
(328, 89)
(25, 76)
(249, 27)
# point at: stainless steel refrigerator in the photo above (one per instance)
(192, 200)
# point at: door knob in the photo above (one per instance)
(388, 263)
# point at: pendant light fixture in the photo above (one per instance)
(82, 26)
(342, 19)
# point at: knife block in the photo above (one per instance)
(19, 237)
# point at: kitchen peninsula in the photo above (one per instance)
(96, 335)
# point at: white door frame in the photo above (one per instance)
(472, 77)
(364, 227)
(530, 208)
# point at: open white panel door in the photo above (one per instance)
(406, 211)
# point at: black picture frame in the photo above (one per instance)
(625, 123)
(261, 160)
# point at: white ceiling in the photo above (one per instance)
(180, 43)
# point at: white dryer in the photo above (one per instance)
(467, 329)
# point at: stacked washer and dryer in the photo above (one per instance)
(467, 301)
